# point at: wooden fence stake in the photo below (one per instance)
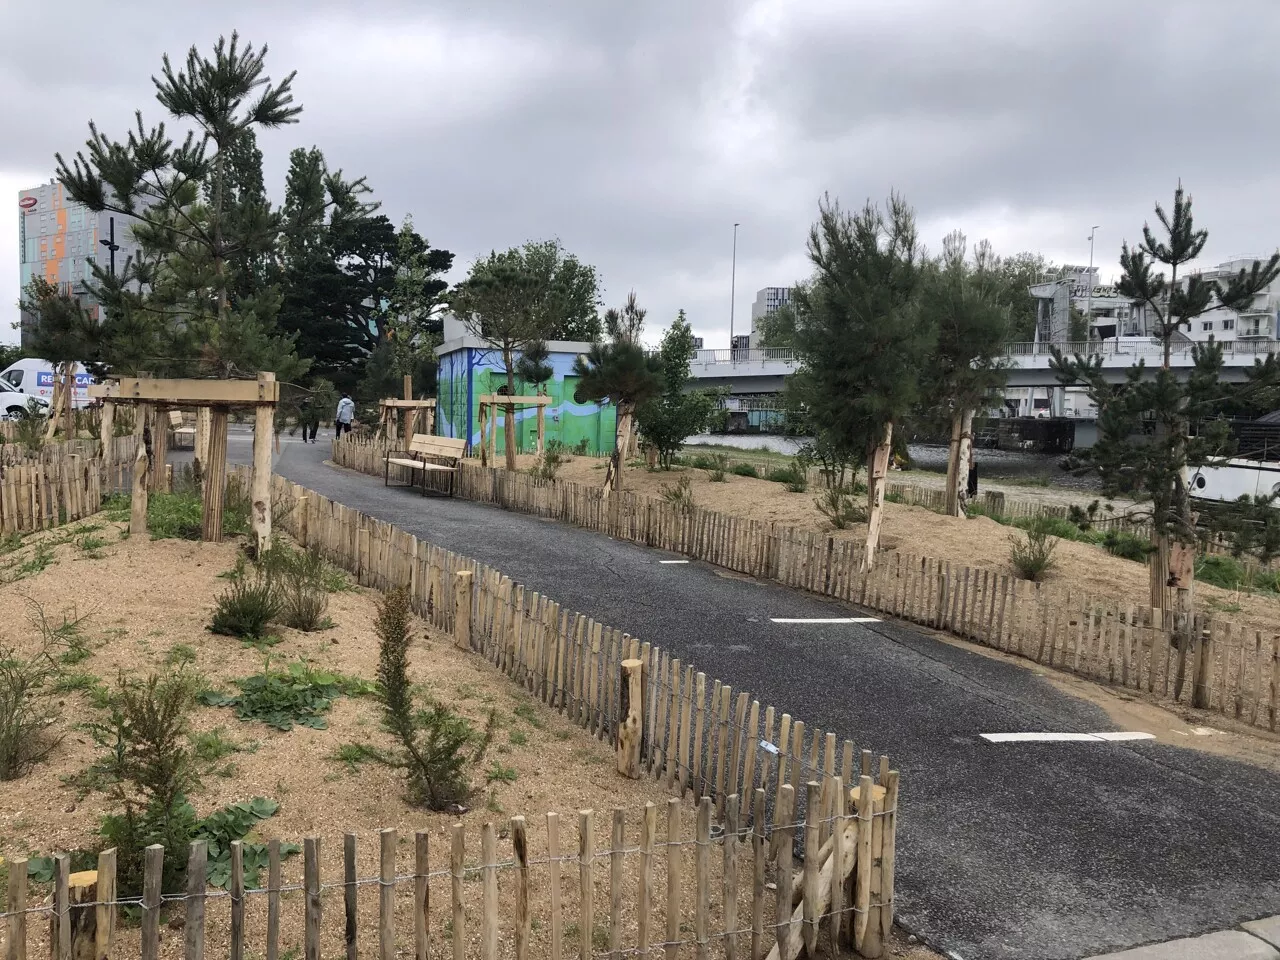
(489, 875)
(673, 878)
(16, 904)
(313, 910)
(702, 878)
(105, 925)
(520, 849)
(196, 887)
(648, 834)
(586, 887)
(350, 896)
(237, 900)
(784, 835)
(730, 877)
(616, 855)
(553, 879)
(631, 712)
(812, 842)
(457, 852)
(387, 893)
(273, 898)
(462, 592)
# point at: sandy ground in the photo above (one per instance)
(978, 541)
(147, 603)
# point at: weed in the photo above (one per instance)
(179, 654)
(300, 694)
(1032, 555)
(175, 516)
(351, 754)
(76, 682)
(838, 505)
(1127, 545)
(234, 822)
(718, 463)
(500, 774)
(678, 494)
(581, 447)
(518, 738)
(116, 507)
(40, 559)
(744, 470)
(529, 714)
(27, 711)
(1222, 606)
(549, 461)
(212, 745)
(791, 476)
(10, 542)
(92, 546)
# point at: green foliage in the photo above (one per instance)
(301, 582)
(792, 476)
(678, 494)
(1230, 574)
(1127, 545)
(435, 746)
(1059, 527)
(30, 428)
(210, 746)
(549, 461)
(500, 774)
(837, 504)
(246, 607)
(667, 420)
(719, 464)
(533, 367)
(1032, 554)
(27, 710)
(744, 470)
(175, 516)
(234, 822)
(299, 694)
(179, 654)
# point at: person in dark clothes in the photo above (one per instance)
(971, 488)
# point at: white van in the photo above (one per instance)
(34, 378)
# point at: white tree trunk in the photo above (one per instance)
(959, 456)
(877, 468)
(613, 473)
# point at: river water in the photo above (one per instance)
(992, 464)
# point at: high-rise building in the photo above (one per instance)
(768, 300)
(57, 239)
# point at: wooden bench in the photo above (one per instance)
(428, 454)
(180, 430)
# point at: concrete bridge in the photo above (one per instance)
(762, 370)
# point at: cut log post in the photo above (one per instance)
(138, 508)
(215, 486)
(260, 485)
(75, 917)
(204, 427)
(462, 610)
(159, 449)
(631, 710)
(542, 428)
(877, 469)
(106, 427)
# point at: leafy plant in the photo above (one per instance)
(744, 470)
(234, 822)
(436, 746)
(792, 476)
(549, 461)
(179, 654)
(175, 516)
(582, 447)
(837, 504)
(299, 694)
(30, 428)
(246, 607)
(678, 494)
(211, 746)
(498, 773)
(1032, 554)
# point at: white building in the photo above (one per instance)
(768, 300)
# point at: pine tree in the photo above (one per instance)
(669, 419)
(860, 339)
(960, 299)
(1154, 428)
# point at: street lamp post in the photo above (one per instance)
(733, 287)
(110, 243)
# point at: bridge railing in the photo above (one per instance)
(1143, 348)
(754, 355)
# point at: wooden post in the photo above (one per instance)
(673, 878)
(784, 834)
(197, 862)
(237, 900)
(215, 485)
(200, 457)
(16, 905)
(311, 889)
(702, 878)
(107, 427)
(542, 428)
(648, 834)
(387, 893)
(553, 884)
(462, 610)
(159, 449)
(421, 893)
(457, 854)
(586, 887)
(260, 486)
(520, 848)
(73, 918)
(273, 898)
(138, 508)
(631, 710)
(350, 895)
(151, 879)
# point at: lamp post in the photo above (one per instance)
(733, 287)
(110, 243)
(1088, 300)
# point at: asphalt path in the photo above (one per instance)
(1012, 850)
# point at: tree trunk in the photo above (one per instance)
(958, 459)
(1159, 573)
(613, 473)
(51, 426)
(509, 421)
(877, 468)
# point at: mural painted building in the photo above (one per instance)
(470, 369)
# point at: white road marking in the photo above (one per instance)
(673, 561)
(1203, 731)
(825, 619)
(1047, 737)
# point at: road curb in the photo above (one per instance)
(1257, 941)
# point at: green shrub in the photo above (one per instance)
(1127, 545)
(27, 710)
(436, 747)
(582, 447)
(175, 516)
(234, 822)
(744, 470)
(246, 607)
(549, 462)
(301, 579)
(1032, 554)
(837, 504)
(716, 467)
(1226, 572)
(792, 476)
(1059, 527)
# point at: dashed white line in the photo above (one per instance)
(673, 561)
(1066, 737)
(824, 619)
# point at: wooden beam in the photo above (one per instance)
(215, 483)
(503, 400)
(408, 404)
(187, 392)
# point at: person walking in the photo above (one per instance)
(309, 419)
(346, 412)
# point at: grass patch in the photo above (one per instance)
(744, 470)
(500, 774)
(518, 738)
(351, 755)
(92, 546)
(212, 745)
(529, 714)
(179, 654)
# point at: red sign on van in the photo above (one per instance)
(27, 203)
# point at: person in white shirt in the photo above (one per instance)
(346, 412)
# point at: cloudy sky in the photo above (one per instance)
(638, 133)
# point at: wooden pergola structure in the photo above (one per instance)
(489, 404)
(213, 400)
(389, 412)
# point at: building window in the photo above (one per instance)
(1228, 323)
(1207, 325)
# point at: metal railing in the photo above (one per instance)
(1143, 348)
(754, 355)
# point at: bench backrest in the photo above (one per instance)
(448, 448)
